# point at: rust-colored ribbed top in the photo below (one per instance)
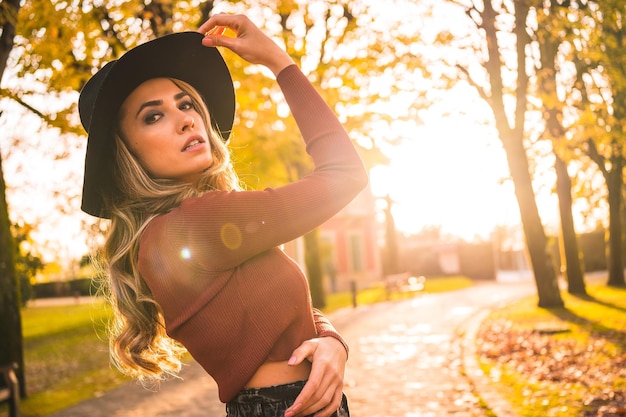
(228, 293)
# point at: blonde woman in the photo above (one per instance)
(193, 261)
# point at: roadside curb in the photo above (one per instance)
(483, 387)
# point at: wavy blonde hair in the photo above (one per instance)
(138, 343)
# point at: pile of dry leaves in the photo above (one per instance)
(542, 356)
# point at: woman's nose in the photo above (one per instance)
(187, 123)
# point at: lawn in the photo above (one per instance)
(66, 350)
(559, 362)
(66, 356)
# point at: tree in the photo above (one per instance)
(504, 85)
(601, 99)
(10, 320)
(553, 30)
(568, 242)
(11, 349)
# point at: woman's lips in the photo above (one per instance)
(193, 142)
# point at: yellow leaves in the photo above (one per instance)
(285, 7)
(52, 33)
(444, 37)
(64, 42)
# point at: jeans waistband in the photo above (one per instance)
(282, 392)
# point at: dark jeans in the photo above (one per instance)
(272, 401)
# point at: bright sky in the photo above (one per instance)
(449, 173)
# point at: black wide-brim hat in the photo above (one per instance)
(181, 56)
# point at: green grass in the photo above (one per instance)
(378, 293)
(578, 360)
(66, 356)
(66, 350)
(447, 284)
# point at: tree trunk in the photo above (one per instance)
(8, 31)
(615, 183)
(11, 349)
(568, 242)
(536, 241)
(512, 137)
(553, 116)
(313, 260)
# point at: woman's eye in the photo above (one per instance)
(186, 105)
(152, 118)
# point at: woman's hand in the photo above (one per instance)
(323, 391)
(250, 44)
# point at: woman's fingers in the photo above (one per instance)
(250, 43)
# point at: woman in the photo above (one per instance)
(192, 259)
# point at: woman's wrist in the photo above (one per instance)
(336, 336)
(281, 62)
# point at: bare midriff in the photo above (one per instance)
(277, 373)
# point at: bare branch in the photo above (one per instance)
(481, 91)
(48, 119)
(592, 151)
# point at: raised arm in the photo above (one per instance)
(227, 228)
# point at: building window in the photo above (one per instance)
(357, 263)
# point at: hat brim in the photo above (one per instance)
(181, 56)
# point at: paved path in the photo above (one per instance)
(411, 358)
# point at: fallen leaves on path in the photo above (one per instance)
(544, 354)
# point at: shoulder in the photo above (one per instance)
(192, 218)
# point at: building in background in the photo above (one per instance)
(348, 246)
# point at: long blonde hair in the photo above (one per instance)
(139, 345)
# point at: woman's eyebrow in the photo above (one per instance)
(150, 103)
(180, 95)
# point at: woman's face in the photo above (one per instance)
(163, 130)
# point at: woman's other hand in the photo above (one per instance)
(323, 391)
(250, 43)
